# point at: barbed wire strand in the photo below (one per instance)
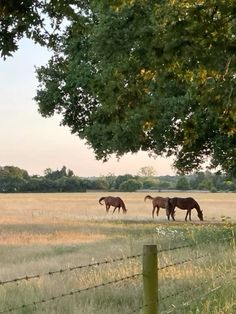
(182, 262)
(60, 271)
(174, 294)
(178, 263)
(93, 287)
(175, 248)
(29, 277)
(177, 293)
(200, 297)
(70, 293)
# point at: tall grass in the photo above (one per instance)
(58, 235)
(210, 264)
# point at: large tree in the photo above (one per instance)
(39, 20)
(158, 76)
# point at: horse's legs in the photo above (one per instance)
(188, 214)
(114, 210)
(158, 208)
(168, 208)
(153, 211)
(173, 216)
(107, 208)
(173, 213)
(168, 214)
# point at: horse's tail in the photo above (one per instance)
(167, 207)
(167, 202)
(170, 208)
(100, 200)
(148, 197)
(123, 206)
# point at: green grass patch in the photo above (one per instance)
(200, 280)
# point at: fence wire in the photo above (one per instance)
(186, 290)
(70, 293)
(63, 270)
(106, 262)
(60, 271)
(176, 248)
(182, 262)
(192, 288)
(201, 297)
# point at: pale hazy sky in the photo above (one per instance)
(34, 143)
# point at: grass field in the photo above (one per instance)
(42, 233)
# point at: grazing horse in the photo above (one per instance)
(157, 203)
(183, 203)
(116, 202)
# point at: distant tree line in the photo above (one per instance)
(13, 180)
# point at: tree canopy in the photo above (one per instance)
(157, 76)
(41, 21)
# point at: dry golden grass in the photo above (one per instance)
(47, 232)
(82, 210)
(58, 237)
(85, 205)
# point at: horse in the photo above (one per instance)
(116, 202)
(157, 203)
(187, 203)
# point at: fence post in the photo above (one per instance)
(150, 280)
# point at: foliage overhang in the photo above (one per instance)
(147, 75)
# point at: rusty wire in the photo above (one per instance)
(70, 293)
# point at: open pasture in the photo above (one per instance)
(19, 208)
(45, 233)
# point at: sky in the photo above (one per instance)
(34, 143)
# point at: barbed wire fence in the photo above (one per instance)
(149, 273)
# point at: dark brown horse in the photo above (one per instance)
(187, 203)
(116, 202)
(157, 203)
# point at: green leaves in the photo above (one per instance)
(39, 20)
(156, 76)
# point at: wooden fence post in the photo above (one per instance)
(150, 280)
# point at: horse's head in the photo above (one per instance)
(200, 215)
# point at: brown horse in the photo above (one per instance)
(157, 203)
(116, 202)
(187, 203)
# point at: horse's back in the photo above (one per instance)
(184, 202)
(160, 201)
(111, 200)
(114, 201)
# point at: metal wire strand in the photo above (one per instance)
(60, 271)
(70, 293)
(182, 262)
